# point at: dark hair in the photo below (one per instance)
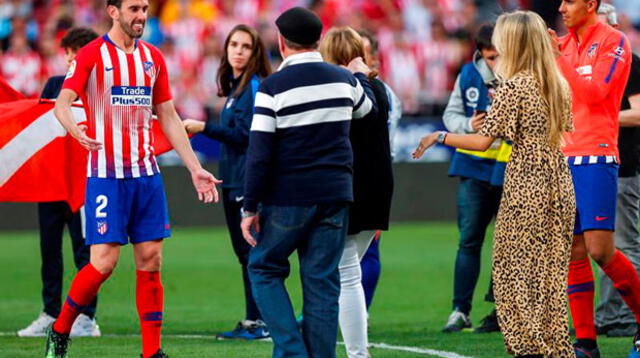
(372, 40)
(116, 3)
(598, 2)
(483, 38)
(77, 37)
(298, 47)
(258, 63)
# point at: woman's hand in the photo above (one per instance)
(358, 65)
(193, 126)
(425, 143)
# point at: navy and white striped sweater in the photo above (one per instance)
(299, 150)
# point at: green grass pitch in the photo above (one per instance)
(203, 295)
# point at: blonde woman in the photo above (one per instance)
(370, 209)
(532, 238)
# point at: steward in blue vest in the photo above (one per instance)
(481, 176)
(473, 91)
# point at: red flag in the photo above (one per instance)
(8, 93)
(39, 161)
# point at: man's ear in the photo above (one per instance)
(113, 12)
(281, 44)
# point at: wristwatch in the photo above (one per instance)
(246, 214)
(442, 135)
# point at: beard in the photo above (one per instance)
(128, 29)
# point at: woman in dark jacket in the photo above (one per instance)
(372, 190)
(242, 66)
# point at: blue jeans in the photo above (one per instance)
(318, 233)
(477, 203)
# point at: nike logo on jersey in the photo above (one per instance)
(239, 198)
(108, 68)
(601, 218)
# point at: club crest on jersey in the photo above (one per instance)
(149, 69)
(102, 227)
(131, 96)
(618, 54)
(592, 50)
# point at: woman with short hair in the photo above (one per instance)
(370, 209)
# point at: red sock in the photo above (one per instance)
(581, 295)
(625, 280)
(84, 288)
(149, 300)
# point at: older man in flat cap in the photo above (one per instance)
(299, 183)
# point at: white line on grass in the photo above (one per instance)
(425, 351)
(431, 352)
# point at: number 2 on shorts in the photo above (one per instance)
(102, 201)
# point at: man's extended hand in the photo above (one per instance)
(205, 184)
(87, 143)
(246, 225)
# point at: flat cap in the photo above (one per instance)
(299, 25)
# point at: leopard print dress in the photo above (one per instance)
(534, 228)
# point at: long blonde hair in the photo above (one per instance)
(522, 40)
(340, 45)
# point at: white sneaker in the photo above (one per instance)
(37, 328)
(85, 327)
(457, 322)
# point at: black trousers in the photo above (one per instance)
(241, 248)
(52, 217)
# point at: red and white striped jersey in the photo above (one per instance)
(118, 90)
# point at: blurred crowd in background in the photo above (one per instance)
(423, 43)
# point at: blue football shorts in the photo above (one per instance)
(126, 210)
(596, 188)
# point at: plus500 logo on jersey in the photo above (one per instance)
(130, 96)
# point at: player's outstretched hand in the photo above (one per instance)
(246, 225)
(425, 143)
(193, 126)
(89, 144)
(205, 184)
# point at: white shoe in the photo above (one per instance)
(457, 322)
(85, 327)
(37, 328)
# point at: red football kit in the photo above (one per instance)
(118, 90)
(597, 70)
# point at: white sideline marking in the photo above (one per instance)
(431, 352)
(417, 350)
